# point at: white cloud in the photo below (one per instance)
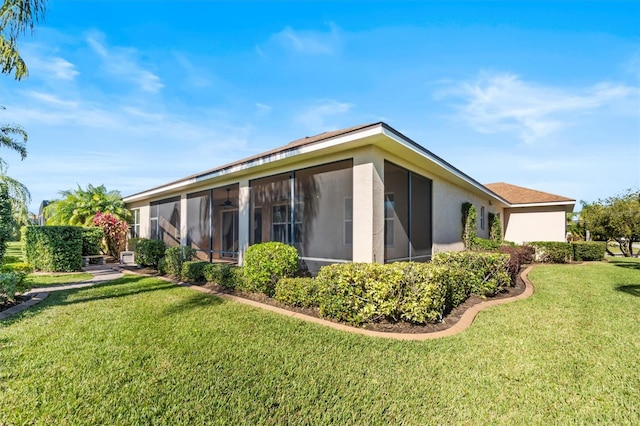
(315, 117)
(121, 62)
(263, 109)
(503, 102)
(305, 41)
(61, 69)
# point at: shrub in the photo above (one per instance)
(53, 248)
(482, 244)
(6, 218)
(552, 251)
(132, 243)
(17, 272)
(115, 232)
(149, 252)
(489, 270)
(175, 257)
(8, 287)
(162, 266)
(193, 271)
(359, 292)
(266, 263)
(428, 289)
(223, 274)
(297, 291)
(495, 227)
(588, 250)
(518, 256)
(91, 240)
(468, 224)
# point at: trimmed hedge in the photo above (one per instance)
(483, 244)
(91, 240)
(193, 271)
(552, 251)
(174, 257)
(588, 250)
(359, 292)
(297, 291)
(489, 270)
(53, 248)
(266, 263)
(223, 274)
(149, 252)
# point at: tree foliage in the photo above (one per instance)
(16, 18)
(79, 206)
(5, 219)
(616, 218)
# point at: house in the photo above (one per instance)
(366, 193)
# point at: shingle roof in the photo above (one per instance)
(519, 195)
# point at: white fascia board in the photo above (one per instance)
(424, 153)
(548, 204)
(159, 190)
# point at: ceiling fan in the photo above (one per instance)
(228, 202)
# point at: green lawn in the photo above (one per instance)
(143, 351)
(37, 280)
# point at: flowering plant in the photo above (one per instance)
(115, 232)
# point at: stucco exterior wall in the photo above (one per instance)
(528, 224)
(447, 215)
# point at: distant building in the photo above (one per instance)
(41, 219)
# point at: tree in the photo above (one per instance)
(616, 218)
(78, 207)
(5, 219)
(16, 17)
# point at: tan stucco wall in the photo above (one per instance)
(447, 207)
(528, 224)
(368, 199)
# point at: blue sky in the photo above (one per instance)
(135, 94)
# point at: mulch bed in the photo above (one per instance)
(19, 300)
(448, 321)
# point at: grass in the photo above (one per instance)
(143, 351)
(14, 249)
(37, 280)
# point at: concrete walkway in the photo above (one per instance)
(101, 274)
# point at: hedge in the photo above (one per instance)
(489, 270)
(91, 240)
(357, 293)
(588, 250)
(552, 251)
(223, 274)
(266, 263)
(297, 291)
(193, 271)
(53, 248)
(174, 257)
(149, 252)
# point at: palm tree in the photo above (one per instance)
(78, 207)
(16, 17)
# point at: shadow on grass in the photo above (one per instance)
(193, 301)
(632, 289)
(116, 294)
(626, 264)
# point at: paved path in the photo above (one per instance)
(101, 274)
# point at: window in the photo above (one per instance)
(165, 221)
(135, 227)
(407, 215)
(348, 221)
(482, 217)
(389, 222)
(281, 223)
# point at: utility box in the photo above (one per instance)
(127, 258)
